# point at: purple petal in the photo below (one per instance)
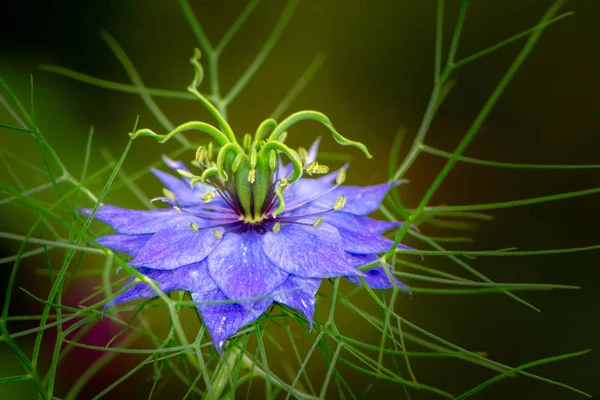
(184, 194)
(376, 278)
(191, 278)
(364, 242)
(307, 251)
(359, 200)
(312, 151)
(174, 164)
(358, 260)
(345, 220)
(241, 269)
(130, 244)
(299, 293)
(224, 320)
(135, 222)
(176, 246)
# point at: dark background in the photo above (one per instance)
(377, 76)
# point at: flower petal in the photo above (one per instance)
(130, 244)
(359, 200)
(307, 251)
(224, 320)
(135, 222)
(313, 151)
(376, 278)
(191, 278)
(299, 293)
(341, 219)
(176, 246)
(241, 269)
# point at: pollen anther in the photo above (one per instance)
(209, 196)
(339, 203)
(168, 194)
(194, 226)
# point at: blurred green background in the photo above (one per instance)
(377, 76)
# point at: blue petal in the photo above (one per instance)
(224, 320)
(176, 246)
(313, 151)
(174, 164)
(376, 278)
(299, 293)
(345, 220)
(135, 222)
(359, 200)
(358, 260)
(241, 269)
(191, 278)
(130, 244)
(184, 194)
(308, 251)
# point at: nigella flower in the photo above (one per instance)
(249, 231)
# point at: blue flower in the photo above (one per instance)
(220, 251)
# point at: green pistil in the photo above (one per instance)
(245, 172)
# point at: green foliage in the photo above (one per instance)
(184, 354)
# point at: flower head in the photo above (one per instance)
(249, 230)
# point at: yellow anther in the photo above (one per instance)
(276, 227)
(209, 196)
(311, 168)
(218, 234)
(339, 203)
(315, 168)
(186, 174)
(247, 141)
(210, 150)
(322, 169)
(194, 227)
(177, 208)
(252, 175)
(284, 182)
(341, 177)
(200, 155)
(318, 222)
(168, 194)
(303, 154)
(272, 160)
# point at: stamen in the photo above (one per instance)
(209, 196)
(194, 227)
(186, 174)
(303, 154)
(315, 168)
(218, 234)
(252, 175)
(276, 227)
(168, 194)
(209, 151)
(318, 222)
(272, 160)
(200, 154)
(341, 177)
(340, 203)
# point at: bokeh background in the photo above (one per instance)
(377, 77)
